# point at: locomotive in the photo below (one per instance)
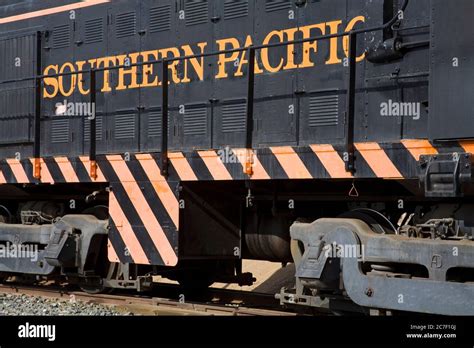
(177, 138)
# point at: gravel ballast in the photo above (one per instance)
(23, 305)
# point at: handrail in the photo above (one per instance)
(37, 121)
(164, 121)
(350, 107)
(93, 126)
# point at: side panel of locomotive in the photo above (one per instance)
(300, 91)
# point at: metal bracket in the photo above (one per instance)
(443, 175)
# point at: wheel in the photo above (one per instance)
(94, 289)
(377, 221)
(104, 269)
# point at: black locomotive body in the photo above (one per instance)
(178, 137)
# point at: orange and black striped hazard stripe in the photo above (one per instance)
(144, 207)
(322, 161)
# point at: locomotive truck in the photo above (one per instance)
(177, 138)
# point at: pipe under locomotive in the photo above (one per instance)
(178, 138)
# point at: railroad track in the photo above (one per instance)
(222, 303)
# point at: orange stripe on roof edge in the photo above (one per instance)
(52, 10)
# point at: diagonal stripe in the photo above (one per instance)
(232, 163)
(53, 10)
(115, 239)
(132, 217)
(112, 254)
(79, 169)
(270, 163)
(259, 172)
(66, 169)
(161, 186)
(7, 172)
(2, 178)
(215, 165)
(378, 160)
(46, 177)
(199, 167)
(448, 147)
(402, 159)
(87, 164)
(126, 231)
(312, 162)
(182, 166)
(18, 171)
(468, 146)
(28, 167)
(291, 163)
(143, 209)
(53, 168)
(418, 148)
(331, 160)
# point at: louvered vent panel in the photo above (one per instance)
(154, 124)
(98, 127)
(160, 18)
(236, 9)
(125, 126)
(60, 130)
(324, 111)
(61, 36)
(11, 49)
(195, 121)
(234, 117)
(126, 25)
(17, 102)
(94, 32)
(196, 12)
(277, 5)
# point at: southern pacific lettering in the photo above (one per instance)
(231, 64)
